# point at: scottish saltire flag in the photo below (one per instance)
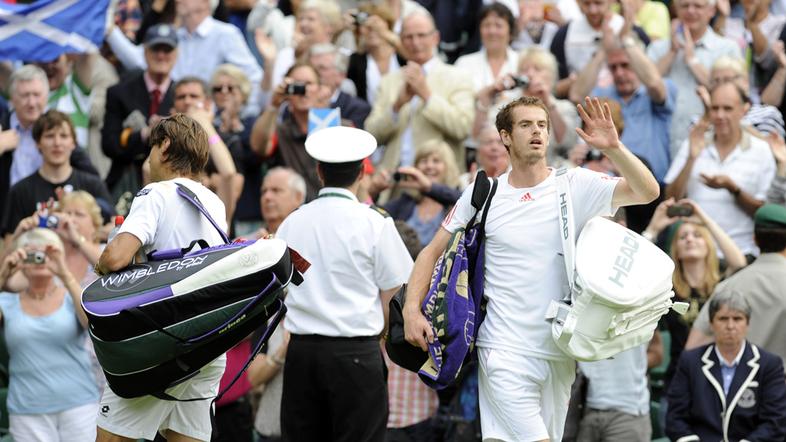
(320, 118)
(43, 30)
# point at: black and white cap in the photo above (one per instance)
(161, 34)
(340, 144)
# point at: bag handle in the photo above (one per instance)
(482, 192)
(567, 227)
(157, 255)
(191, 197)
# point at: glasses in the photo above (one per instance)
(719, 80)
(419, 36)
(220, 88)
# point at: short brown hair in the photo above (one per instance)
(505, 116)
(49, 120)
(188, 148)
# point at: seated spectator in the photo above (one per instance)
(575, 43)
(192, 99)
(539, 70)
(283, 191)
(760, 119)
(762, 285)
(729, 390)
(279, 134)
(728, 174)
(490, 156)
(205, 43)
(378, 51)
(434, 186)
(331, 65)
(496, 58)
(647, 100)
(426, 99)
(20, 157)
(532, 26)
(51, 391)
(617, 405)
(133, 106)
(55, 138)
(686, 58)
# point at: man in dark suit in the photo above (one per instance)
(331, 65)
(133, 106)
(730, 390)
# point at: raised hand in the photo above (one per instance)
(718, 181)
(696, 139)
(265, 46)
(600, 131)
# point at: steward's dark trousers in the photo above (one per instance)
(334, 390)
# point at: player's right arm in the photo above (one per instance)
(417, 330)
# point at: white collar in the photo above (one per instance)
(736, 360)
(341, 191)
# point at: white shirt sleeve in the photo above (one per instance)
(392, 263)
(461, 213)
(591, 194)
(677, 164)
(129, 54)
(146, 210)
(767, 175)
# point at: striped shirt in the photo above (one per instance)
(410, 401)
(73, 99)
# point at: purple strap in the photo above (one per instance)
(189, 195)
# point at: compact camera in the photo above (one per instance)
(360, 18)
(296, 89)
(593, 155)
(521, 81)
(48, 221)
(35, 257)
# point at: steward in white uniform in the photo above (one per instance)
(334, 381)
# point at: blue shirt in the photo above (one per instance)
(26, 157)
(647, 125)
(620, 383)
(728, 370)
(49, 365)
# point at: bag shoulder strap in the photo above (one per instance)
(191, 197)
(567, 225)
(482, 193)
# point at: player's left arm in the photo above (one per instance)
(638, 185)
(118, 254)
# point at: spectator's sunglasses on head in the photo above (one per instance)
(222, 87)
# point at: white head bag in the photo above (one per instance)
(619, 288)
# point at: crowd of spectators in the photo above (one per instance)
(697, 87)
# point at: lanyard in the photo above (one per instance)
(335, 194)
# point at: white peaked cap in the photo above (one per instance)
(340, 144)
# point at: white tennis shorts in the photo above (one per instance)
(523, 398)
(141, 418)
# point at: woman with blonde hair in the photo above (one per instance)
(692, 240)
(51, 393)
(230, 89)
(431, 189)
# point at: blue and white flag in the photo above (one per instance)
(320, 118)
(43, 30)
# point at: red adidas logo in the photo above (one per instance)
(527, 197)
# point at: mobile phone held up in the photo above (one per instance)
(296, 89)
(679, 210)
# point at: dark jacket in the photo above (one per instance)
(402, 207)
(352, 108)
(358, 63)
(754, 410)
(121, 100)
(79, 160)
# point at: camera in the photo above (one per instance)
(37, 257)
(360, 18)
(398, 176)
(296, 89)
(679, 210)
(48, 221)
(521, 81)
(593, 155)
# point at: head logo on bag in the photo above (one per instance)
(624, 261)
